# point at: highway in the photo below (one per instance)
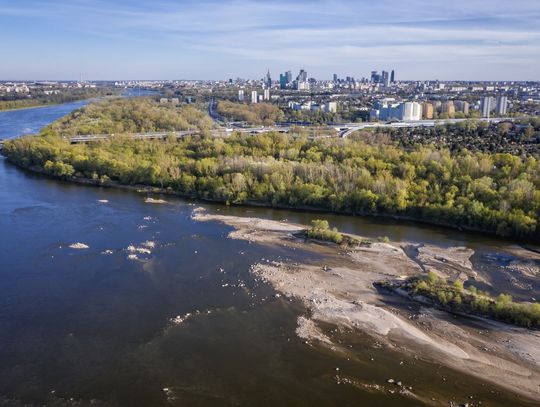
(343, 130)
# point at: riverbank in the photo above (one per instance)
(341, 292)
(258, 204)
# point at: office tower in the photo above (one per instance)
(335, 77)
(502, 103)
(427, 111)
(283, 82)
(268, 79)
(486, 107)
(285, 79)
(241, 95)
(302, 76)
(254, 98)
(266, 94)
(393, 77)
(289, 76)
(385, 79)
(374, 77)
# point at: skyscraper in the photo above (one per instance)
(385, 79)
(302, 76)
(268, 80)
(289, 76)
(335, 77)
(374, 77)
(285, 79)
(393, 77)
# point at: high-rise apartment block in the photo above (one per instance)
(502, 105)
(427, 111)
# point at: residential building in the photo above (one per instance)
(330, 107)
(254, 98)
(266, 94)
(241, 95)
(427, 111)
(502, 104)
(486, 107)
(448, 108)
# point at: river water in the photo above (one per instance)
(93, 326)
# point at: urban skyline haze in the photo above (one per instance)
(207, 39)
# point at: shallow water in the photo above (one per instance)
(93, 324)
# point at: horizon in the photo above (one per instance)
(112, 41)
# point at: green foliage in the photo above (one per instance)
(320, 229)
(454, 297)
(499, 193)
(258, 113)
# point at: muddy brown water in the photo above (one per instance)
(93, 326)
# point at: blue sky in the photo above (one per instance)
(219, 39)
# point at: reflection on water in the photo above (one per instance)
(102, 323)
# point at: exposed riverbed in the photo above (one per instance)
(110, 298)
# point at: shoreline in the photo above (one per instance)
(340, 291)
(140, 188)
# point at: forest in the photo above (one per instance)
(258, 113)
(492, 192)
(39, 98)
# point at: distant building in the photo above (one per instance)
(301, 85)
(285, 79)
(163, 100)
(175, 101)
(375, 77)
(448, 108)
(330, 107)
(486, 107)
(462, 106)
(241, 95)
(302, 76)
(407, 111)
(335, 78)
(385, 79)
(502, 104)
(254, 98)
(393, 77)
(427, 111)
(266, 94)
(268, 81)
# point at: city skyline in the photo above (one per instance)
(468, 40)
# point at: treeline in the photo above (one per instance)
(137, 115)
(506, 137)
(454, 297)
(39, 98)
(497, 193)
(257, 113)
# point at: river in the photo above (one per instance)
(96, 326)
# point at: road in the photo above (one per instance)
(343, 130)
